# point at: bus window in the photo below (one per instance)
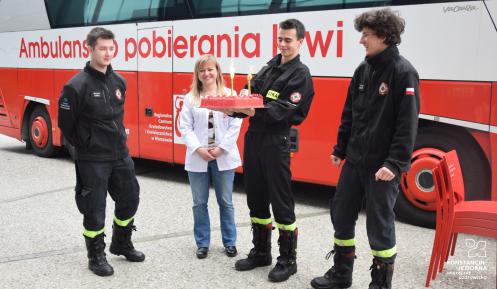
(221, 8)
(113, 11)
(63, 13)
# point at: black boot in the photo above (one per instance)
(122, 245)
(381, 274)
(97, 262)
(340, 274)
(260, 255)
(287, 261)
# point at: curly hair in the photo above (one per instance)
(384, 22)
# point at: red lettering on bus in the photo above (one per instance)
(129, 53)
(256, 52)
(237, 48)
(339, 38)
(227, 39)
(206, 39)
(160, 40)
(193, 38)
(146, 53)
(180, 46)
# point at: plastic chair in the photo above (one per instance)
(442, 216)
(456, 215)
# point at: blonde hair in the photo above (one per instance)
(196, 87)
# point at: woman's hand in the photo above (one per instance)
(216, 152)
(205, 154)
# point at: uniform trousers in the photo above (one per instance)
(267, 175)
(357, 183)
(95, 179)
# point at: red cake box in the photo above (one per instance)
(232, 102)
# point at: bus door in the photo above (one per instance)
(155, 105)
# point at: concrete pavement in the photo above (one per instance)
(41, 245)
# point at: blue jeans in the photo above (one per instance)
(223, 185)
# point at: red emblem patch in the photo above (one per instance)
(118, 94)
(295, 97)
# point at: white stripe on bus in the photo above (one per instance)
(37, 99)
(463, 123)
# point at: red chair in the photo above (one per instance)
(454, 215)
(442, 216)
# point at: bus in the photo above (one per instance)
(452, 44)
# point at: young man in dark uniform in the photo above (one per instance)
(376, 138)
(287, 87)
(91, 110)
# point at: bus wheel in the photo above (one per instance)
(416, 203)
(40, 133)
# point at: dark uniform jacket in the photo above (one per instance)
(91, 110)
(380, 116)
(288, 91)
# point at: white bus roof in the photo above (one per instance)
(23, 15)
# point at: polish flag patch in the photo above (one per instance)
(410, 91)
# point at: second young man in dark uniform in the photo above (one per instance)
(91, 110)
(286, 84)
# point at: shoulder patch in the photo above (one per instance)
(410, 91)
(383, 90)
(295, 97)
(118, 94)
(64, 104)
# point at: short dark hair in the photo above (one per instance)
(294, 24)
(98, 32)
(384, 22)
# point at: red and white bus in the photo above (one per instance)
(453, 45)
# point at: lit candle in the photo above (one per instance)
(232, 76)
(249, 78)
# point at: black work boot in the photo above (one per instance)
(121, 243)
(287, 261)
(381, 274)
(97, 262)
(260, 255)
(340, 274)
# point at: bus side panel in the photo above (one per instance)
(318, 133)
(10, 112)
(38, 83)
(155, 115)
(131, 112)
(468, 101)
(181, 86)
(493, 140)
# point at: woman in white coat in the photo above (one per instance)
(212, 154)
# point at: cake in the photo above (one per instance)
(227, 102)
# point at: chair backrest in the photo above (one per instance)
(452, 169)
(441, 194)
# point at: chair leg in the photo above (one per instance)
(435, 251)
(454, 240)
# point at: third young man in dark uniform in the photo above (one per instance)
(376, 138)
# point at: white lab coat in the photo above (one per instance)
(193, 128)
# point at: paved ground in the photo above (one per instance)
(41, 245)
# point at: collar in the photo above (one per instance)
(276, 61)
(98, 74)
(383, 58)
